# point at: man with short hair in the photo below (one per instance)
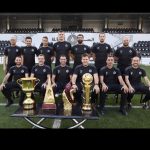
(77, 82)
(43, 73)
(18, 71)
(46, 51)
(62, 75)
(100, 51)
(124, 55)
(111, 80)
(28, 53)
(10, 54)
(62, 47)
(133, 76)
(79, 49)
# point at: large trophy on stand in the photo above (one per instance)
(28, 85)
(49, 100)
(87, 79)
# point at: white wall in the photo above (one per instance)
(48, 25)
(97, 25)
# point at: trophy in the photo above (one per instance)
(49, 100)
(87, 79)
(28, 85)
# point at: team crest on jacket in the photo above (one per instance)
(48, 51)
(44, 70)
(81, 71)
(14, 71)
(140, 72)
(90, 70)
(67, 71)
(84, 48)
(17, 50)
(22, 71)
(106, 73)
(58, 71)
(114, 72)
(130, 51)
(32, 50)
(66, 45)
(106, 47)
(131, 73)
(57, 46)
(36, 70)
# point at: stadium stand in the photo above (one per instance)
(73, 29)
(3, 44)
(143, 47)
(122, 30)
(25, 30)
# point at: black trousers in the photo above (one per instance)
(59, 88)
(113, 88)
(8, 67)
(41, 89)
(140, 88)
(79, 94)
(9, 87)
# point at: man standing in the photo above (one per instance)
(77, 82)
(18, 71)
(10, 54)
(62, 47)
(61, 75)
(43, 73)
(29, 53)
(78, 50)
(124, 55)
(133, 76)
(100, 52)
(46, 51)
(111, 80)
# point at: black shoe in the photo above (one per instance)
(102, 111)
(129, 106)
(145, 106)
(9, 103)
(124, 112)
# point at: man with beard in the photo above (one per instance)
(79, 49)
(61, 75)
(46, 51)
(29, 53)
(62, 47)
(100, 52)
(18, 71)
(124, 55)
(133, 76)
(111, 80)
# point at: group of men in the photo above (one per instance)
(125, 79)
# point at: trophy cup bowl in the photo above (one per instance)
(87, 79)
(28, 85)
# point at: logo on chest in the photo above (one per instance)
(58, 71)
(36, 70)
(66, 45)
(67, 71)
(114, 72)
(44, 70)
(140, 73)
(22, 71)
(85, 49)
(48, 51)
(17, 50)
(130, 51)
(90, 70)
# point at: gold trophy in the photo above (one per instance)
(87, 79)
(28, 85)
(49, 100)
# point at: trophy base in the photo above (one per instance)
(87, 107)
(28, 104)
(49, 106)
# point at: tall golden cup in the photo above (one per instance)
(28, 85)
(87, 79)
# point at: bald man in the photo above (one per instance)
(124, 54)
(10, 54)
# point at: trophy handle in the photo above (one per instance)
(19, 81)
(37, 80)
